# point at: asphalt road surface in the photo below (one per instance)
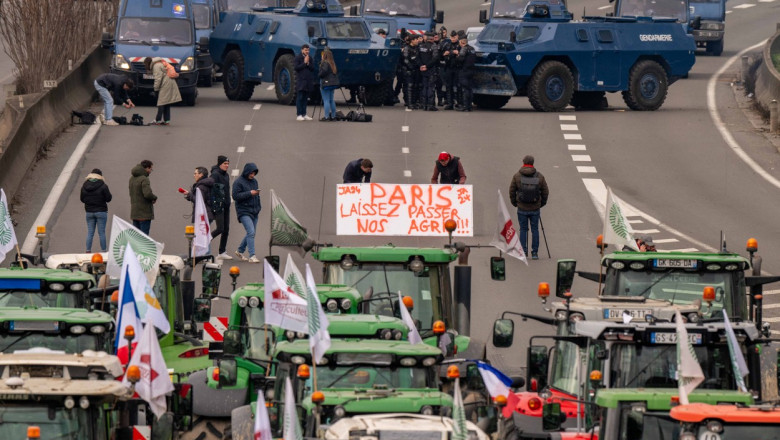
(685, 185)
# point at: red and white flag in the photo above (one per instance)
(262, 422)
(155, 383)
(505, 237)
(283, 307)
(201, 242)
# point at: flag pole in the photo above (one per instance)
(313, 371)
(19, 255)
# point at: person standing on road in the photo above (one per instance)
(220, 204)
(304, 81)
(329, 82)
(429, 62)
(166, 89)
(449, 53)
(448, 169)
(528, 192)
(358, 171)
(142, 199)
(118, 85)
(205, 184)
(465, 61)
(247, 197)
(95, 197)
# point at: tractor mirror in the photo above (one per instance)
(483, 16)
(696, 22)
(273, 260)
(212, 274)
(204, 44)
(202, 311)
(439, 17)
(551, 416)
(231, 342)
(353, 10)
(565, 278)
(497, 268)
(503, 333)
(538, 361)
(227, 372)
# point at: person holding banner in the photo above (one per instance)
(448, 169)
(204, 183)
(247, 197)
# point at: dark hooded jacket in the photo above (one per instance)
(141, 195)
(205, 184)
(514, 189)
(246, 203)
(222, 177)
(95, 194)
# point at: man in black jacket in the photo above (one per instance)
(95, 197)
(429, 62)
(221, 210)
(358, 171)
(205, 184)
(118, 85)
(465, 61)
(304, 81)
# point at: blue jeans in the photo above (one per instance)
(96, 219)
(248, 242)
(329, 102)
(108, 100)
(301, 99)
(524, 218)
(143, 225)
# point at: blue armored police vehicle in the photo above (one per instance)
(416, 16)
(535, 49)
(260, 46)
(156, 28)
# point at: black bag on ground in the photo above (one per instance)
(137, 119)
(121, 120)
(86, 118)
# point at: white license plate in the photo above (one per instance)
(148, 76)
(685, 264)
(671, 338)
(618, 313)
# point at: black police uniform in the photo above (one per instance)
(449, 73)
(466, 59)
(410, 57)
(429, 57)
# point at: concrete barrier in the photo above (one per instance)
(32, 121)
(767, 86)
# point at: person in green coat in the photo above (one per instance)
(142, 199)
(165, 87)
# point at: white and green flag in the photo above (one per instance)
(148, 251)
(689, 374)
(286, 230)
(617, 230)
(319, 338)
(294, 278)
(737, 359)
(283, 307)
(7, 234)
(292, 426)
(459, 430)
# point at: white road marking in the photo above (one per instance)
(765, 1)
(576, 147)
(600, 8)
(247, 128)
(635, 221)
(646, 231)
(404, 128)
(407, 173)
(234, 172)
(572, 136)
(580, 157)
(271, 87)
(257, 106)
(729, 12)
(744, 6)
(567, 117)
(240, 149)
(665, 240)
(681, 250)
(772, 306)
(405, 150)
(586, 169)
(771, 292)
(569, 127)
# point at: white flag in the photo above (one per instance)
(617, 230)
(505, 237)
(145, 299)
(286, 230)
(738, 363)
(319, 338)
(201, 242)
(414, 335)
(283, 307)
(148, 251)
(7, 234)
(294, 278)
(262, 422)
(292, 426)
(155, 383)
(689, 374)
(459, 431)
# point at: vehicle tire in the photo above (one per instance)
(589, 100)
(207, 80)
(490, 102)
(376, 94)
(551, 87)
(647, 86)
(236, 89)
(242, 425)
(189, 98)
(715, 47)
(284, 80)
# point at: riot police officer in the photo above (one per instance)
(465, 61)
(449, 52)
(429, 60)
(410, 56)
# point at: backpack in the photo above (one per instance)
(137, 120)
(170, 70)
(121, 120)
(87, 118)
(218, 200)
(530, 192)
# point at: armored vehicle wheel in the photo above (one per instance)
(589, 100)
(284, 80)
(647, 86)
(551, 87)
(236, 89)
(715, 47)
(376, 94)
(492, 102)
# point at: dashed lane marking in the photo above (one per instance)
(569, 127)
(247, 127)
(586, 170)
(404, 128)
(271, 87)
(572, 136)
(567, 117)
(646, 231)
(405, 150)
(771, 292)
(601, 8)
(257, 106)
(580, 157)
(240, 149)
(576, 147)
(744, 6)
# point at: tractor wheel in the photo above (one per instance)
(376, 94)
(242, 425)
(490, 102)
(647, 86)
(236, 89)
(589, 100)
(551, 87)
(284, 80)
(715, 47)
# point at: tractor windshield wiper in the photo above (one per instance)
(333, 382)
(24, 336)
(648, 365)
(647, 289)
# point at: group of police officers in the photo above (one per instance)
(436, 66)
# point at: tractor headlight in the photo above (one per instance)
(84, 402)
(346, 303)
(254, 301)
(332, 305)
(76, 287)
(242, 302)
(96, 329)
(386, 334)
(290, 335)
(427, 410)
(397, 335)
(77, 329)
(187, 65)
(56, 287)
(339, 412)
